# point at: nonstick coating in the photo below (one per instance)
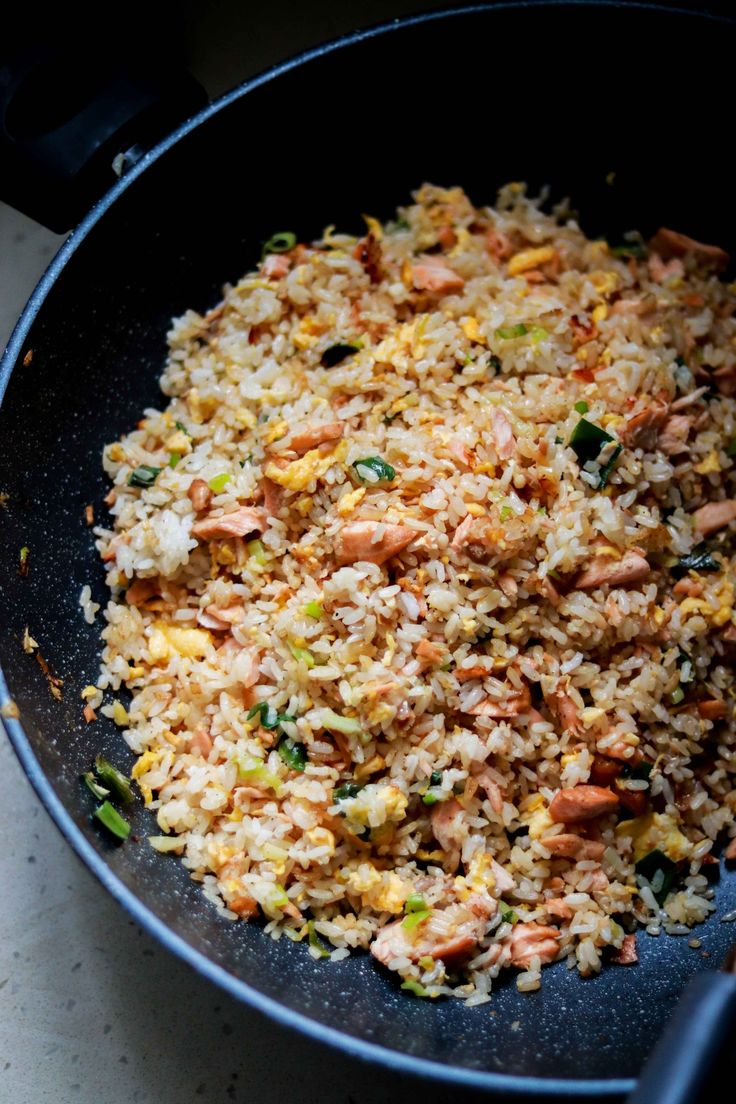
(557, 94)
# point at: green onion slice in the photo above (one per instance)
(587, 440)
(110, 818)
(143, 476)
(293, 753)
(281, 242)
(374, 470)
(660, 871)
(316, 942)
(114, 780)
(337, 353)
(508, 333)
(346, 791)
(98, 791)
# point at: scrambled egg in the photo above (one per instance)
(717, 617)
(349, 501)
(145, 763)
(530, 258)
(655, 831)
(536, 817)
(376, 804)
(166, 639)
(300, 473)
(708, 465)
(604, 282)
(472, 331)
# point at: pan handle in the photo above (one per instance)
(700, 1033)
(71, 125)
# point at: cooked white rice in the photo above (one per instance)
(484, 686)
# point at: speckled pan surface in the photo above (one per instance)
(190, 219)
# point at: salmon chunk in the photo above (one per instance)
(569, 846)
(626, 955)
(714, 515)
(529, 940)
(603, 571)
(669, 243)
(582, 803)
(357, 541)
(460, 929)
(431, 273)
(309, 437)
(237, 524)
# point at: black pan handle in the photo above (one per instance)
(70, 125)
(701, 1031)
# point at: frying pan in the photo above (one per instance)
(557, 94)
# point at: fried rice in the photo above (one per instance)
(423, 592)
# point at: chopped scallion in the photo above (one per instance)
(606, 469)
(254, 770)
(183, 428)
(270, 718)
(508, 915)
(415, 987)
(315, 942)
(346, 791)
(110, 818)
(414, 919)
(114, 780)
(415, 903)
(700, 559)
(257, 552)
(435, 778)
(581, 407)
(293, 753)
(313, 610)
(659, 871)
(508, 333)
(143, 476)
(302, 655)
(587, 440)
(24, 561)
(98, 791)
(374, 470)
(174, 459)
(281, 242)
(218, 482)
(336, 354)
(334, 722)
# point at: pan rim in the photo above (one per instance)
(398, 1061)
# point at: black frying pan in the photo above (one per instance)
(558, 94)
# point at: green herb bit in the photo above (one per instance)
(538, 333)
(430, 798)
(494, 362)
(333, 722)
(257, 552)
(316, 942)
(587, 440)
(641, 771)
(606, 469)
(24, 561)
(508, 915)
(293, 754)
(374, 470)
(414, 919)
(110, 818)
(143, 476)
(255, 770)
(559, 441)
(183, 428)
(415, 903)
(337, 353)
(313, 610)
(270, 718)
(435, 778)
(581, 407)
(635, 249)
(346, 791)
(282, 242)
(114, 779)
(677, 696)
(506, 513)
(700, 559)
(302, 655)
(660, 871)
(508, 333)
(218, 482)
(98, 791)
(174, 459)
(415, 987)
